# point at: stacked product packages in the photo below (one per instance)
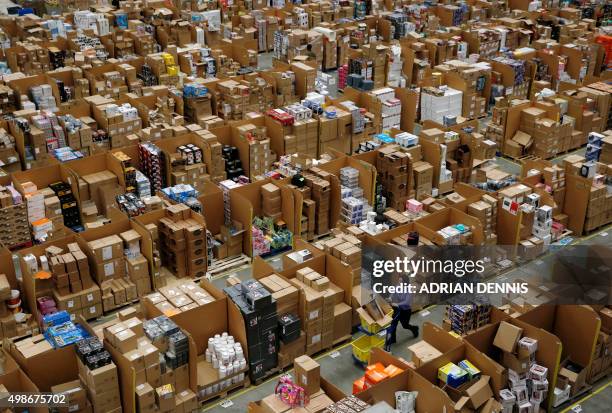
(354, 205)
(152, 165)
(270, 236)
(227, 358)
(465, 318)
(261, 321)
(60, 331)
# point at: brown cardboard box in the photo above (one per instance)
(273, 404)
(165, 398)
(576, 380)
(479, 392)
(512, 362)
(342, 320)
(145, 397)
(308, 374)
(507, 336)
(75, 394)
(422, 352)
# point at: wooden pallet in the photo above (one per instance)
(227, 264)
(566, 233)
(319, 237)
(213, 398)
(594, 230)
(342, 340)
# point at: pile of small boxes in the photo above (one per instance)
(151, 162)
(179, 298)
(98, 374)
(260, 155)
(391, 107)
(423, 177)
(14, 229)
(486, 212)
(183, 242)
(436, 103)
(158, 351)
(188, 167)
(271, 201)
(395, 175)
(464, 318)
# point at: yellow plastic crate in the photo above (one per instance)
(363, 345)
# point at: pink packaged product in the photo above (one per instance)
(414, 206)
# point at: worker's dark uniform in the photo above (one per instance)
(402, 312)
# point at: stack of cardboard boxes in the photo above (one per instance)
(74, 290)
(546, 138)
(423, 178)
(346, 246)
(308, 377)
(599, 207)
(528, 381)
(76, 396)
(183, 241)
(326, 318)
(212, 155)
(161, 378)
(338, 135)
(305, 77)
(136, 264)
(14, 229)
(98, 375)
(486, 212)
(395, 173)
(107, 257)
(41, 202)
(234, 98)
(311, 307)
(271, 201)
(32, 60)
(317, 202)
(188, 167)
(260, 155)
(109, 260)
(92, 188)
(292, 343)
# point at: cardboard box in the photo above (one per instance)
(308, 374)
(479, 392)
(422, 352)
(507, 336)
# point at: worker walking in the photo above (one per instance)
(402, 311)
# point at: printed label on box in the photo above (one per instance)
(109, 269)
(107, 253)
